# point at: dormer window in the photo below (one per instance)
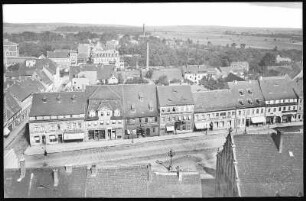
(250, 102)
(117, 113)
(257, 101)
(241, 102)
(133, 109)
(44, 99)
(92, 113)
(249, 91)
(58, 98)
(150, 107)
(140, 96)
(241, 92)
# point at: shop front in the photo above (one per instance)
(259, 120)
(73, 136)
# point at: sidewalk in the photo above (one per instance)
(63, 147)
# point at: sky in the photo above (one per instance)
(274, 15)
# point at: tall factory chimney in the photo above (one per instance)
(147, 55)
(143, 30)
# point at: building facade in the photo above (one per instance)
(280, 99)
(214, 110)
(250, 104)
(10, 49)
(176, 108)
(57, 118)
(106, 57)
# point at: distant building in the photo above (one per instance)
(173, 74)
(64, 58)
(256, 165)
(10, 49)
(280, 59)
(195, 73)
(112, 44)
(106, 57)
(57, 118)
(107, 75)
(280, 99)
(176, 107)
(297, 86)
(83, 75)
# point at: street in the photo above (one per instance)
(131, 154)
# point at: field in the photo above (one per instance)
(217, 37)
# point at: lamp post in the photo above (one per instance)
(171, 153)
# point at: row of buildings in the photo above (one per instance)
(138, 110)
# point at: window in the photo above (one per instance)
(52, 138)
(274, 109)
(168, 109)
(217, 114)
(239, 112)
(102, 114)
(155, 118)
(118, 122)
(289, 108)
(153, 130)
(293, 107)
(101, 123)
(92, 113)
(257, 111)
(37, 139)
(146, 120)
(280, 109)
(107, 123)
(163, 109)
(249, 91)
(113, 122)
(269, 110)
(241, 92)
(108, 113)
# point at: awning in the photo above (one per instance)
(6, 131)
(36, 138)
(260, 119)
(75, 136)
(200, 125)
(170, 128)
(52, 137)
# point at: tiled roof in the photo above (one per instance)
(213, 101)
(171, 73)
(105, 72)
(130, 74)
(11, 105)
(167, 185)
(58, 103)
(297, 86)
(174, 95)
(74, 70)
(130, 181)
(263, 171)
(58, 54)
(132, 94)
(248, 92)
(21, 90)
(7, 42)
(275, 88)
(43, 77)
(104, 92)
(195, 69)
(47, 63)
(231, 77)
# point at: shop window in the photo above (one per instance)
(284, 108)
(113, 122)
(153, 130)
(37, 139)
(90, 134)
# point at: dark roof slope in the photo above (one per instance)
(248, 92)
(105, 72)
(215, 100)
(275, 88)
(21, 90)
(11, 105)
(263, 171)
(231, 77)
(69, 103)
(174, 95)
(171, 73)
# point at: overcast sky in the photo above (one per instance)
(283, 15)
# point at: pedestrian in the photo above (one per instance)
(45, 153)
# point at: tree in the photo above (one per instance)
(120, 78)
(233, 45)
(175, 80)
(268, 60)
(162, 80)
(242, 45)
(149, 73)
(136, 80)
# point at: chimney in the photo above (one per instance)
(143, 30)
(147, 54)
(22, 168)
(68, 169)
(278, 140)
(55, 177)
(179, 173)
(93, 170)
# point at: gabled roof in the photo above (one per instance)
(195, 69)
(105, 72)
(246, 93)
(174, 95)
(263, 171)
(21, 90)
(231, 77)
(57, 54)
(112, 105)
(43, 77)
(58, 103)
(171, 73)
(142, 97)
(215, 100)
(129, 74)
(276, 88)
